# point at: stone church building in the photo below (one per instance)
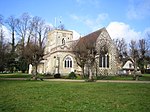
(59, 57)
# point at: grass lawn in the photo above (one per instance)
(15, 75)
(145, 77)
(45, 96)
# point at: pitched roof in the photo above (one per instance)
(90, 38)
(124, 60)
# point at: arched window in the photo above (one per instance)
(63, 41)
(68, 62)
(104, 60)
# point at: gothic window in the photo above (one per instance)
(63, 41)
(104, 60)
(68, 62)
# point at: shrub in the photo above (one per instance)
(79, 76)
(57, 75)
(72, 75)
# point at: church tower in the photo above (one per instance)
(57, 38)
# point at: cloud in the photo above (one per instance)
(92, 23)
(147, 32)
(146, 35)
(138, 9)
(95, 24)
(122, 30)
(7, 33)
(76, 35)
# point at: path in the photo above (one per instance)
(70, 80)
(116, 81)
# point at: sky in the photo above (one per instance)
(128, 19)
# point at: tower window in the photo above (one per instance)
(63, 41)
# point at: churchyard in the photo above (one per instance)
(48, 96)
(144, 77)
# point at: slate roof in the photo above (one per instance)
(90, 38)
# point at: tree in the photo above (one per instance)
(3, 48)
(11, 23)
(143, 49)
(91, 59)
(32, 32)
(23, 25)
(80, 52)
(34, 49)
(135, 56)
(85, 53)
(35, 54)
(121, 48)
(24, 31)
(134, 53)
(40, 30)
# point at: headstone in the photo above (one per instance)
(30, 69)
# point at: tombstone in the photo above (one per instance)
(30, 69)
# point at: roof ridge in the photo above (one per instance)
(95, 32)
(90, 38)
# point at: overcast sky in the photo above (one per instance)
(129, 19)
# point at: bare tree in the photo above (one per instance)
(24, 31)
(80, 52)
(85, 53)
(35, 47)
(2, 46)
(134, 52)
(121, 48)
(23, 25)
(40, 30)
(135, 56)
(11, 22)
(34, 54)
(32, 32)
(4, 49)
(91, 58)
(143, 50)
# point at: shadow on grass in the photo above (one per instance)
(144, 77)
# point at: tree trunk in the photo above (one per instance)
(137, 77)
(96, 69)
(83, 72)
(13, 42)
(35, 73)
(90, 74)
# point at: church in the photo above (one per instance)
(59, 56)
